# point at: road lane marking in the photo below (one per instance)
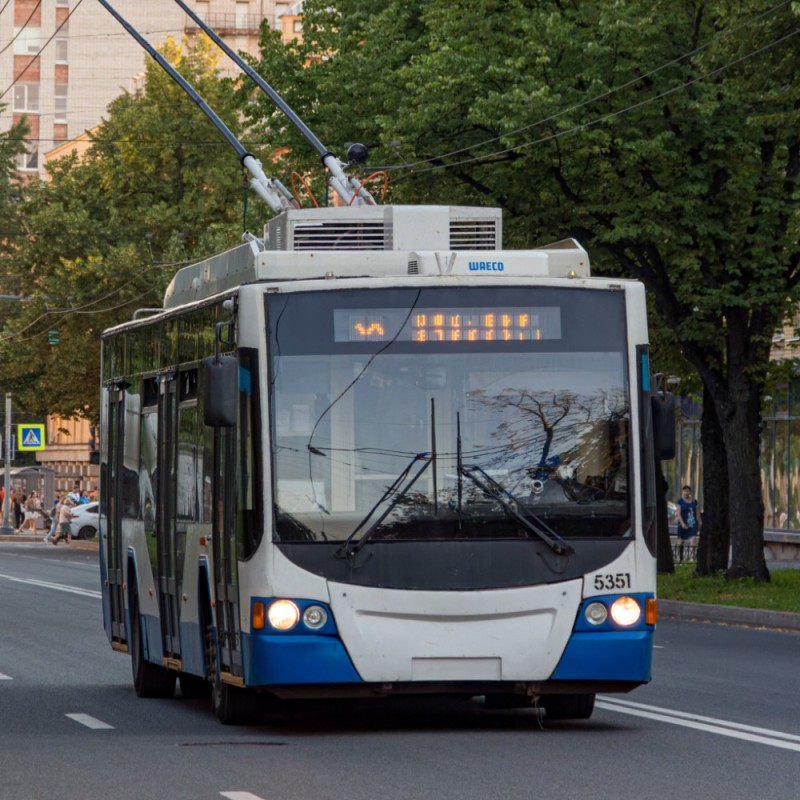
(5, 677)
(240, 796)
(61, 587)
(735, 730)
(91, 722)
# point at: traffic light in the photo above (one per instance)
(52, 337)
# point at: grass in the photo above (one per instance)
(782, 593)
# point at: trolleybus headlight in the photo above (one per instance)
(315, 617)
(596, 613)
(283, 615)
(626, 611)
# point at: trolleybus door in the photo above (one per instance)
(112, 502)
(224, 546)
(168, 588)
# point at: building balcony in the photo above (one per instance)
(230, 24)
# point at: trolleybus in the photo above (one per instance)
(374, 453)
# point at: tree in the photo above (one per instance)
(12, 143)
(663, 135)
(105, 234)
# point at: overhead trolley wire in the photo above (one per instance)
(598, 120)
(24, 25)
(601, 96)
(41, 49)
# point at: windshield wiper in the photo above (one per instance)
(511, 505)
(349, 547)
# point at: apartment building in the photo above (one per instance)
(63, 61)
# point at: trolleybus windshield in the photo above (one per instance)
(525, 386)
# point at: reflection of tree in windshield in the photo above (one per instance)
(551, 434)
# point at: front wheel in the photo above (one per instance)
(149, 680)
(567, 706)
(230, 703)
(86, 532)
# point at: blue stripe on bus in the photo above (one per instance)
(645, 373)
(276, 659)
(607, 656)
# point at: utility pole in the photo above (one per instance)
(7, 527)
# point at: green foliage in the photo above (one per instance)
(12, 143)
(661, 134)
(105, 234)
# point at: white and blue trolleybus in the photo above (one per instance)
(374, 453)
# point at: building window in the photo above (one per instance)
(26, 97)
(61, 51)
(28, 40)
(60, 102)
(28, 162)
(62, 3)
(297, 26)
(201, 9)
(242, 14)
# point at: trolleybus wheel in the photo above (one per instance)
(149, 680)
(229, 703)
(568, 706)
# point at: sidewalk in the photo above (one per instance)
(30, 538)
(667, 609)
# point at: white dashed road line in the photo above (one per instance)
(91, 722)
(240, 796)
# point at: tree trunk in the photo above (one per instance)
(740, 429)
(715, 533)
(664, 560)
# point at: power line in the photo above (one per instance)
(42, 48)
(596, 98)
(67, 312)
(591, 123)
(24, 26)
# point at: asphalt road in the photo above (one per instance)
(720, 720)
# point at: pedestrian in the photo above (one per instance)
(53, 520)
(85, 499)
(64, 521)
(688, 523)
(17, 499)
(33, 510)
(75, 494)
(94, 495)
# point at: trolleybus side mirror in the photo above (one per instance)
(220, 391)
(220, 382)
(663, 406)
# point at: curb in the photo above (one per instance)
(732, 615)
(27, 538)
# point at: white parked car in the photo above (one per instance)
(85, 520)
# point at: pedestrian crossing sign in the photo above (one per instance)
(30, 437)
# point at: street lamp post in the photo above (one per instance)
(7, 527)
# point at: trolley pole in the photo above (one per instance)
(7, 527)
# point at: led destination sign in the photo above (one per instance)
(447, 324)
